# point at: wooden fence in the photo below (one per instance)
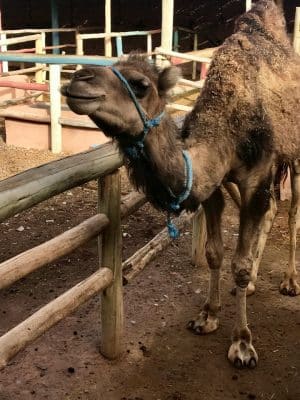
(31, 187)
(39, 48)
(118, 36)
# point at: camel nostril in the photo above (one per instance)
(83, 75)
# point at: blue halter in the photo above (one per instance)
(136, 150)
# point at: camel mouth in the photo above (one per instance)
(65, 91)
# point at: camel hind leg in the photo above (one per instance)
(264, 231)
(207, 321)
(289, 285)
(256, 193)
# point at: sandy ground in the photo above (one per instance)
(161, 360)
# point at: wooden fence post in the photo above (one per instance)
(107, 39)
(296, 41)
(195, 48)
(55, 109)
(40, 45)
(3, 49)
(199, 239)
(110, 250)
(149, 45)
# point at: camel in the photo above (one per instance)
(244, 124)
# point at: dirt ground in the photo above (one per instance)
(162, 360)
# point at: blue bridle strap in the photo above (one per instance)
(177, 200)
(148, 123)
(136, 150)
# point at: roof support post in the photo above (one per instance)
(107, 40)
(248, 5)
(55, 25)
(167, 24)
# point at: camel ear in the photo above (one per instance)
(167, 79)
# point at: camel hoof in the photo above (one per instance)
(203, 324)
(289, 287)
(242, 355)
(197, 330)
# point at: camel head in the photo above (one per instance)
(100, 93)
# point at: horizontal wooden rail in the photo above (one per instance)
(179, 107)
(23, 264)
(57, 59)
(131, 203)
(19, 100)
(21, 31)
(35, 185)
(187, 30)
(86, 36)
(16, 40)
(77, 123)
(60, 46)
(22, 71)
(137, 262)
(27, 50)
(196, 84)
(17, 338)
(27, 116)
(43, 87)
(184, 56)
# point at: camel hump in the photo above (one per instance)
(265, 20)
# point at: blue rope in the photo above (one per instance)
(135, 151)
(137, 147)
(177, 200)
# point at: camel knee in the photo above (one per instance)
(214, 255)
(242, 272)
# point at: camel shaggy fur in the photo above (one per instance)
(244, 124)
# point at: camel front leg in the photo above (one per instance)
(289, 286)
(207, 321)
(256, 195)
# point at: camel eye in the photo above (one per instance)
(139, 86)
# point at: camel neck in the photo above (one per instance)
(160, 169)
(164, 148)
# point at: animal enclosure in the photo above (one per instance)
(21, 192)
(108, 217)
(157, 305)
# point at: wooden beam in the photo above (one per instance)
(167, 24)
(184, 56)
(107, 40)
(110, 250)
(30, 329)
(35, 185)
(55, 109)
(131, 203)
(55, 25)
(23, 264)
(22, 39)
(296, 40)
(136, 263)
